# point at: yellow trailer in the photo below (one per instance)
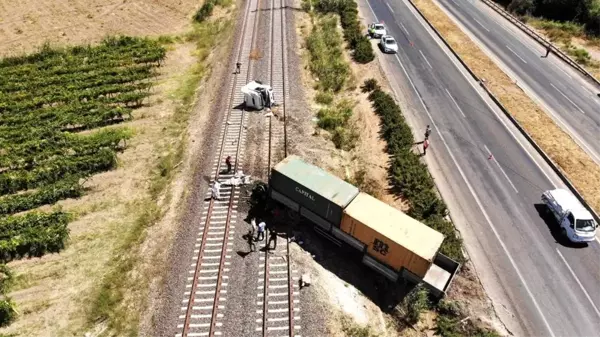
(392, 237)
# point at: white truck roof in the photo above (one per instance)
(568, 201)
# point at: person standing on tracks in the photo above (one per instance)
(228, 163)
(272, 238)
(425, 146)
(260, 235)
(427, 132)
(216, 190)
(238, 67)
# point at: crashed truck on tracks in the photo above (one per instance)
(258, 95)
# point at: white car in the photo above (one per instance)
(377, 30)
(388, 44)
(577, 224)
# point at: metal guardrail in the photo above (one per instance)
(541, 152)
(540, 39)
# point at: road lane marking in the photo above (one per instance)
(456, 3)
(489, 221)
(452, 98)
(404, 28)
(563, 71)
(500, 167)
(390, 7)
(588, 90)
(426, 60)
(482, 26)
(579, 282)
(516, 54)
(568, 99)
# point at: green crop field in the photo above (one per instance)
(46, 100)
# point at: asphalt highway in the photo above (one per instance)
(562, 92)
(492, 181)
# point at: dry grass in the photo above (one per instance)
(117, 241)
(32, 22)
(572, 160)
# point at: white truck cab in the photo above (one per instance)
(576, 222)
(377, 30)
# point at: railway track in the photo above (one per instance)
(206, 287)
(278, 292)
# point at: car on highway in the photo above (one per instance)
(388, 44)
(377, 30)
(576, 222)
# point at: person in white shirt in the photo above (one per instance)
(216, 193)
(261, 231)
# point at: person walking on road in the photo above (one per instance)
(238, 67)
(425, 146)
(427, 132)
(547, 51)
(228, 163)
(216, 193)
(261, 231)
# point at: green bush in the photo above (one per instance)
(49, 194)
(204, 12)
(370, 85)
(408, 174)
(324, 98)
(338, 116)
(353, 32)
(32, 234)
(580, 55)
(449, 308)
(7, 312)
(415, 303)
(326, 63)
(363, 52)
(344, 138)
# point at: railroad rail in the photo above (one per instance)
(278, 287)
(206, 289)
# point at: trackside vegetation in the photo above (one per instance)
(408, 174)
(327, 64)
(354, 34)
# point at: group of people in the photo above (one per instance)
(261, 230)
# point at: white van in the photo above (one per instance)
(576, 222)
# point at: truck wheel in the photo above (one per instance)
(564, 233)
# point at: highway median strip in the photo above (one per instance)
(571, 159)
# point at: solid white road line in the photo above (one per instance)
(457, 106)
(568, 99)
(482, 26)
(390, 7)
(501, 169)
(516, 54)
(588, 90)
(579, 282)
(426, 60)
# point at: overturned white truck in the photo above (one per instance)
(258, 95)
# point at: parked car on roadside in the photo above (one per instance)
(388, 44)
(377, 30)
